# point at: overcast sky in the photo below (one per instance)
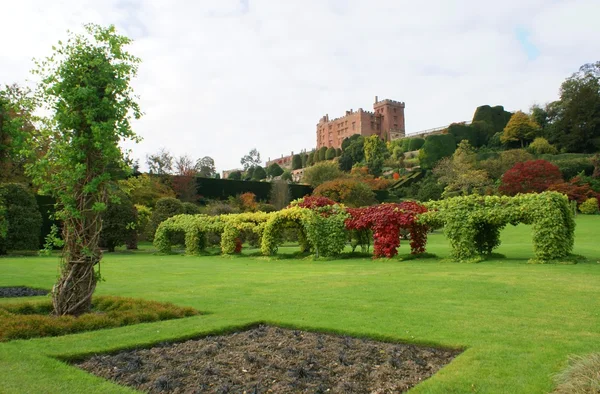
(220, 77)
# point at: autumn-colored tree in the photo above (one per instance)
(520, 128)
(575, 190)
(541, 146)
(350, 192)
(533, 176)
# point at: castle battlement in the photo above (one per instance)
(386, 120)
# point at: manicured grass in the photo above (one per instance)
(517, 322)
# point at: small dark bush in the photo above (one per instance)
(118, 223)
(22, 216)
(164, 209)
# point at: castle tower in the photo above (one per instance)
(392, 122)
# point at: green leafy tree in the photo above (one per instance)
(296, 162)
(496, 166)
(164, 209)
(274, 170)
(520, 128)
(86, 85)
(259, 174)
(345, 162)
(145, 189)
(338, 152)
(541, 146)
(286, 176)
(206, 167)
(235, 175)
(304, 159)
(322, 153)
(310, 159)
(118, 222)
(435, 148)
(330, 153)
(16, 125)
(574, 120)
(252, 159)
(22, 216)
(321, 172)
(160, 163)
(460, 174)
(375, 152)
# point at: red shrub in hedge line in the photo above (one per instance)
(386, 220)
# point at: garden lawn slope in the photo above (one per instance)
(518, 322)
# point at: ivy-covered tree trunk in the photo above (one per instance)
(86, 83)
(72, 294)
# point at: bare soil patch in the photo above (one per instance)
(21, 291)
(272, 360)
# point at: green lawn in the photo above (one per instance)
(517, 322)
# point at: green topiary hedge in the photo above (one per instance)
(192, 228)
(165, 208)
(23, 221)
(473, 223)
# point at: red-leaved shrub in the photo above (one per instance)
(534, 176)
(386, 220)
(313, 202)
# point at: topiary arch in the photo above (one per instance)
(194, 227)
(235, 224)
(321, 229)
(473, 223)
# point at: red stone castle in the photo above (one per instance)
(386, 120)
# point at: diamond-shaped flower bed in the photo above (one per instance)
(270, 359)
(21, 291)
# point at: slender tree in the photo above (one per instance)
(85, 83)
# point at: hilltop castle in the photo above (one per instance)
(386, 120)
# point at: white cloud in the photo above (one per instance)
(221, 77)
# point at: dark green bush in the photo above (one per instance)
(164, 209)
(23, 218)
(436, 147)
(572, 167)
(118, 223)
(190, 208)
(415, 144)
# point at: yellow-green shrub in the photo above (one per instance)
(590, 206)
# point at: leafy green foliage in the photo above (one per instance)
(435, 148)
(192, 228)
(496, 117)
(459, 173)
(541, 146)
(497, 166)
(237, 224)
(574, 120)
(462, 131)
(118, 222)
(520, 128)
(190, 208)
(31, 320)
(85, 84)
(375, 154)
(16, 126)
(297, 162)
(330, 154)
(322, 153)
(286, 176)
(164, 209)
(321, 229)
(252, 159)
(590, 207)
(571, 167)
(473, 223)
(259, 173)
(22, 218)
(350, 192)
(235, 175)
(146, 189)
(321, 172)
(274, 170)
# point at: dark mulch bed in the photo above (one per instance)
(21, 291)
(273, 360)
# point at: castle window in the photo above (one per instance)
(394, 110)
(395, 118)
(353, 125)
(395, 126)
